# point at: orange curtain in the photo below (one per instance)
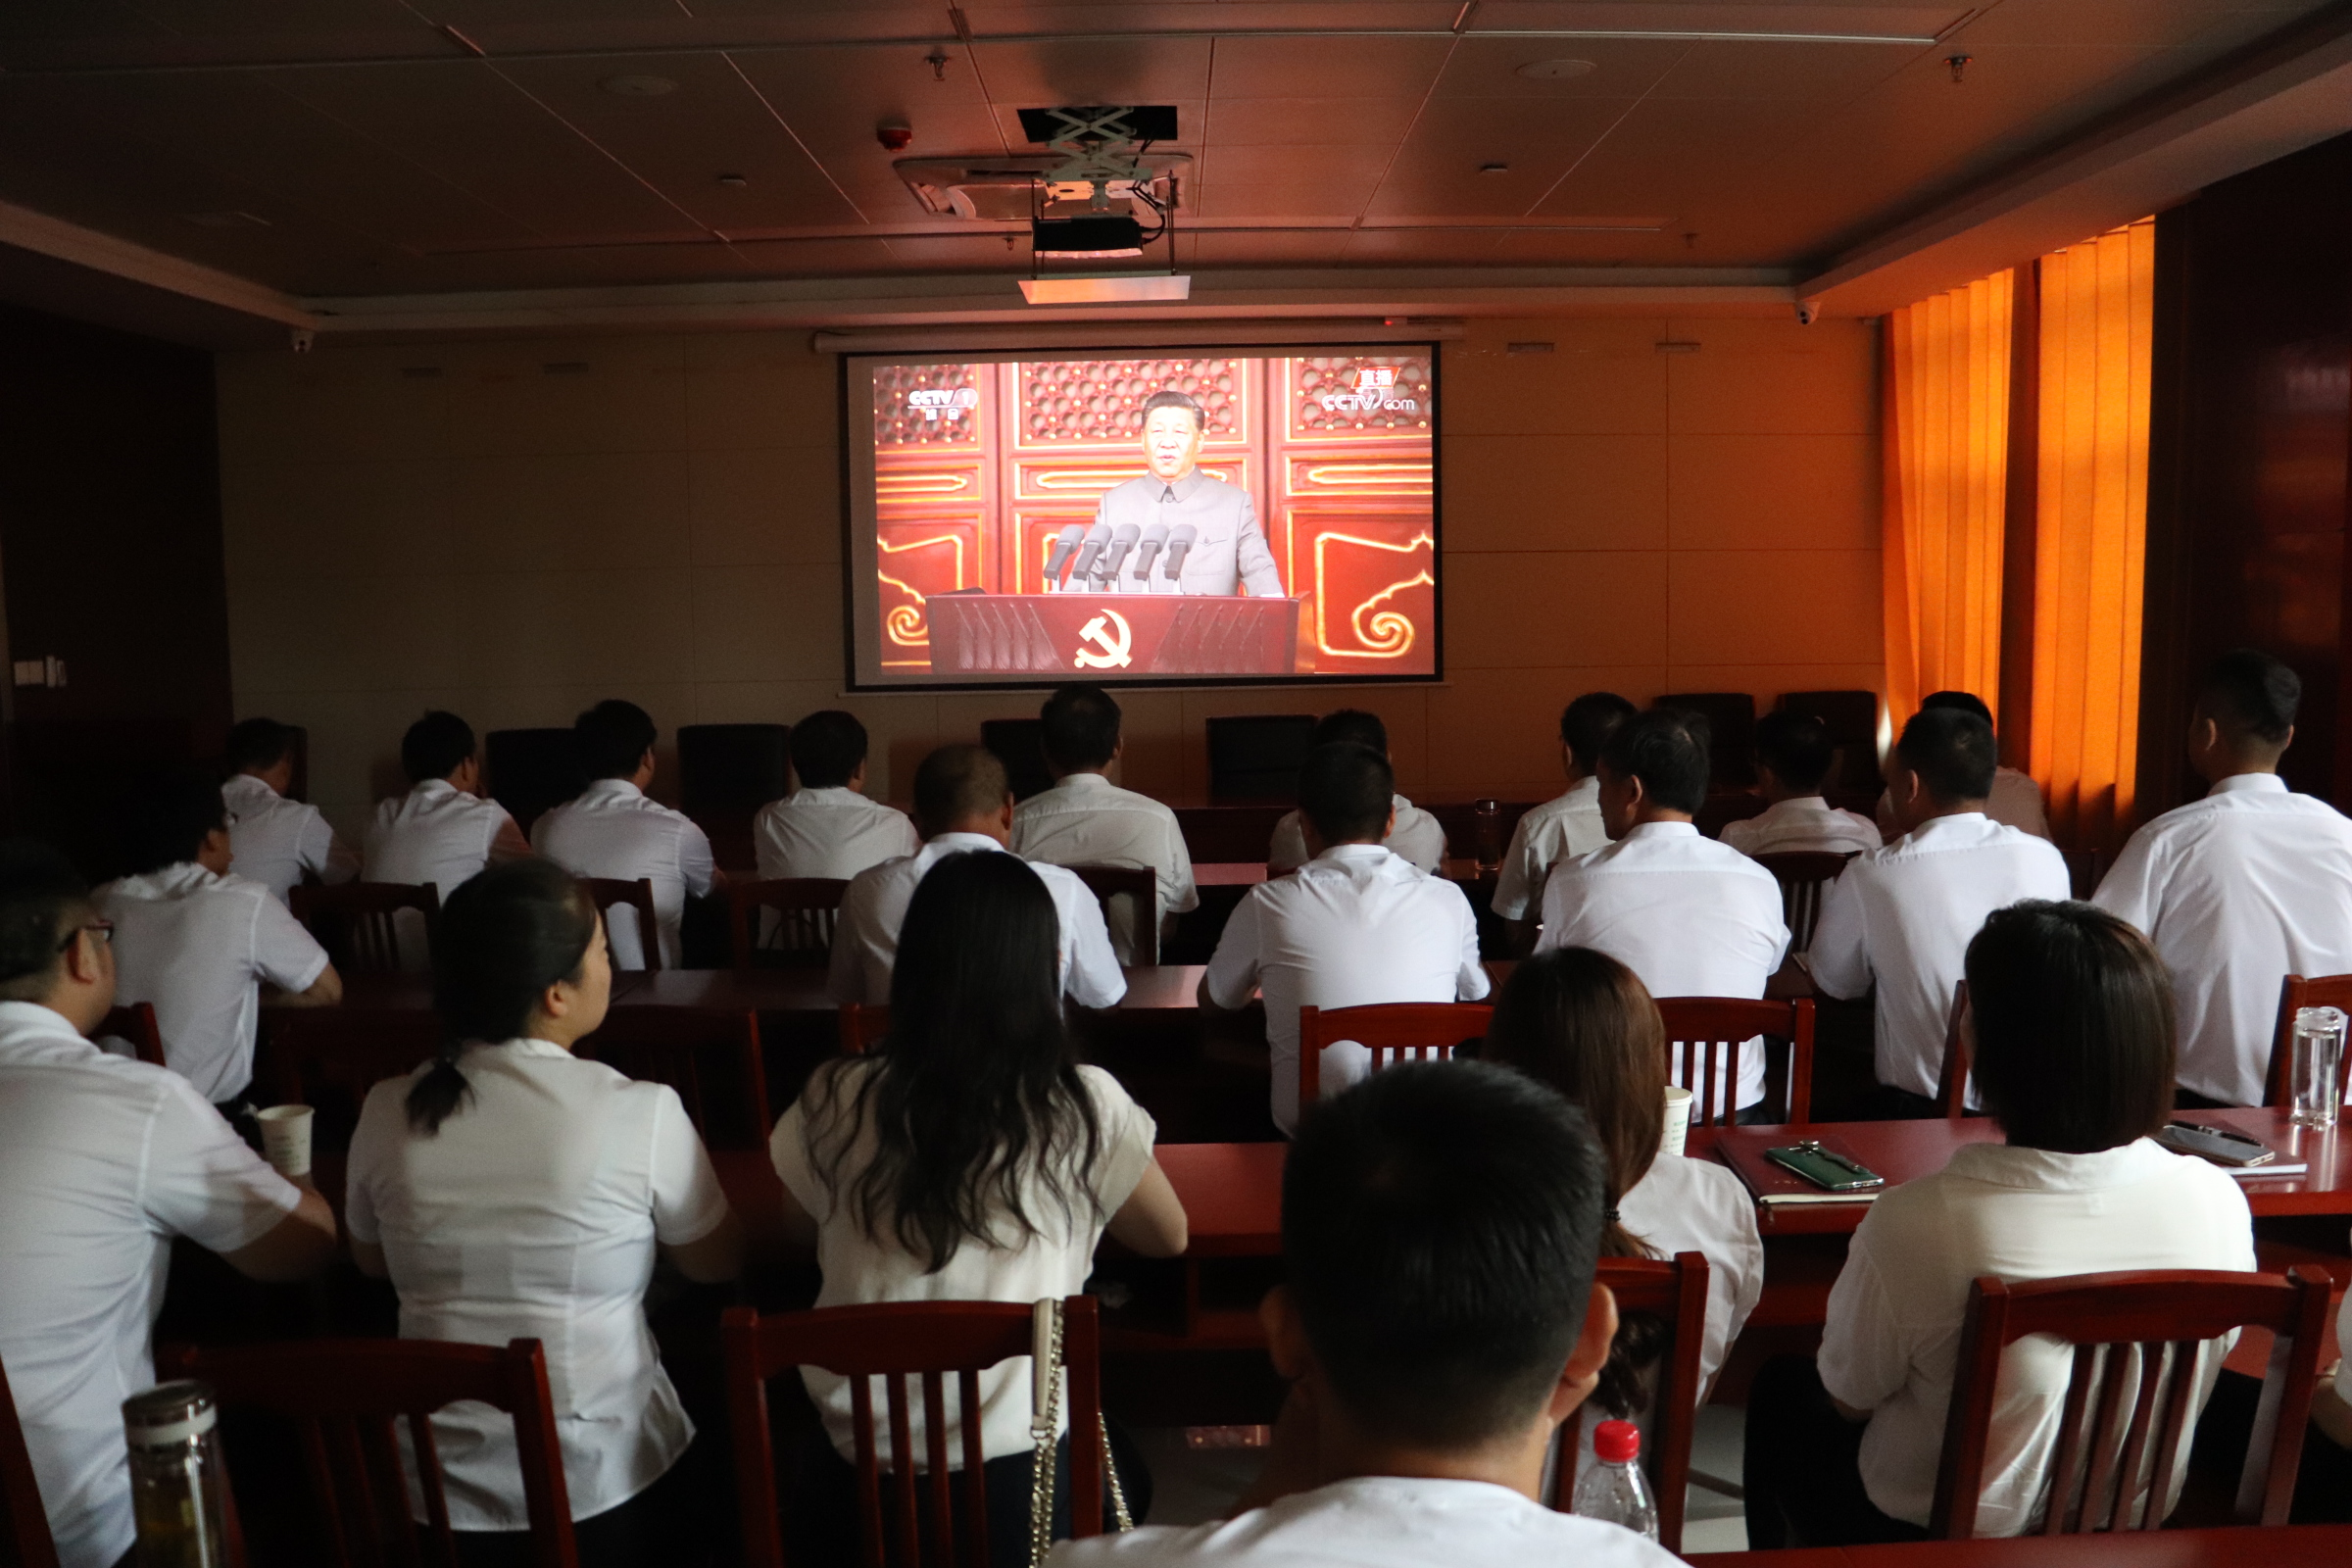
(1947, 463)
(2090, 518)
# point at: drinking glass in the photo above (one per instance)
(2319, 1065)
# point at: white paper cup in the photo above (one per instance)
(1678, 1121)
(286, 1139)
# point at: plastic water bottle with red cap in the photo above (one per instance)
(1614, 1488)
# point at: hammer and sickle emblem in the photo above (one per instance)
(1114, 641)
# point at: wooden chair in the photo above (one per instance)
(345, 1399)
(25, 1541)
(673, 1046)
(863, 1026)
(639, 895)
(1805, 877)
(1951, 1082)
(329, 1057)
(1140, 883)
(898, 1342)
(1400, 1031)
(135, 1024)
(1711, 1030)
(2295, 994)
(1675, 1293)
(804, 907)
(359, 923)
(2126, 1412)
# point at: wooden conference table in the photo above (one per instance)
(2291, 1546)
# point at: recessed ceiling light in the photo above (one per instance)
(227, 221)
(1494, 168)
(638, 86)
(1557, 70)
(733, 181)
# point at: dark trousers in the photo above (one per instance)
(1886, 1103)
(2190, 1099)
(1802, 1471)
(657, 1524)
(2324, 1484)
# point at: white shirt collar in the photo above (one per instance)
(185, 877)
(1584, 791)
(524, 1045)
(1082, 781)
(1358, 854)
(827, 794)
(28, 1023)
(2249, 784)
(612, 788)
(949, 842)
(432, 789)
(248, 784)
(1660, 830)
(2044, 1170)
(1952, 822)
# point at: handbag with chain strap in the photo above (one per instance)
(1045, 1405)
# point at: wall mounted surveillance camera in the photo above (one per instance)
(302, 339)
(1807, 312)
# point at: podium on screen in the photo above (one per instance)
(1106, 636)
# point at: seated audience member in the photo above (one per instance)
(197, 942)
(442, 832)
(827, 828)
(1579, 1021)
(1417, 835)
(613, 830)
(1438, 1319)
(1900, 917)
(1358, 924)
(961, 802)
(103, 1161)
(2014, 800)
(1689, 916)
(2242, 888)
(1793, 756)
(277, 840)
(2324, 1479)
(510, 1190)
(2071, 1026)
(1085, 819)
(1566, 827)
(971, 1158)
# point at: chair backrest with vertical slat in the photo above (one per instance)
(1704, 1039)
(801, 930)
(1675, 1293)
(1140, 886)
(2296, 992)
(919, 1523)
(1951, 1082)
(2129, 1405)
(359, 923)
(711, 1055)
(863, 1026)
(136, 1024)
(25, 1539)
(329, 1057)
(638, 895)
(1805, 877)
(1392, 1031)
(348, 1400)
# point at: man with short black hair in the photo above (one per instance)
(1793, 756)
(2242, 888)
(963, 803)
(827, 828)
(1689, 916)
(1085, 819)
(102, 1161)
(1225, 550)
(1417, 837)
(1356, 924)
(613, 830)
(1900, 917)
(197, 942)
(1562, 828)
(2013, 798)
(1438, 1320)
(277, 840)
(443, 831)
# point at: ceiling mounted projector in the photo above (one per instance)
(1086, 239)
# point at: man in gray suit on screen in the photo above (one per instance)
(1176, 529)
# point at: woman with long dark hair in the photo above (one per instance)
(510, 1190)
(970, 1158)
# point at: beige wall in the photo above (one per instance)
(663, 525)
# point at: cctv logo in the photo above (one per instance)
(934, 402)
(1375, 390)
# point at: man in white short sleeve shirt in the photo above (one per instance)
(103, 1161)
(2014, 800)
(198, 943)
(1085, 819)
(1565, 826)
(2240, 889)
(1793, 756)
(962, 803)
(1355, 925)
(1417, 838)
(277, 840)
(827, 829)
(613, 830)
(1691, 917)
(1901, 917)
(1434, 1349)
(442, 832)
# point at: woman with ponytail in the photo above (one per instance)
(510, 1190)
(1581, 1022)
(969, 1159)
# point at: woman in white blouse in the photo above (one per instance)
(970, 1158)
(1581, 1022)
(510, 1190)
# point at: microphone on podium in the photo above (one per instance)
(1180, 541)
(1155, 534)
(1123, 540)
(1065, 545)
(1095, 538)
